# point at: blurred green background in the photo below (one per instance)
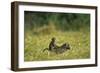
(72, 28)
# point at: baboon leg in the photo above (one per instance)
(48, 54)
(45, 49)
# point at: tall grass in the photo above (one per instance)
(70, 28)
(39, 39)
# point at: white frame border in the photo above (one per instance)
(34, 64)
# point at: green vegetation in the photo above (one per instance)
(70, 28)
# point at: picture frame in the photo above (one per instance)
(19, 17)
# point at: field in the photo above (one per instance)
(78, 40)
(38, 38)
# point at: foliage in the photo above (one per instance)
(79, 43)
(62, 21)
(70, 28)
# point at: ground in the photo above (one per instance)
(35, 43)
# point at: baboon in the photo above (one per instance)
(52, 45)
(57, 49)
(64, 47)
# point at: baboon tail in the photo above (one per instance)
(45, 49)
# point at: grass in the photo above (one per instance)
(38, 39)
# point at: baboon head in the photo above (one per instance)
(66, 45)
(53, 39)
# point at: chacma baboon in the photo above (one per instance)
(52, 45)
(64, 47)
(57, 49)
